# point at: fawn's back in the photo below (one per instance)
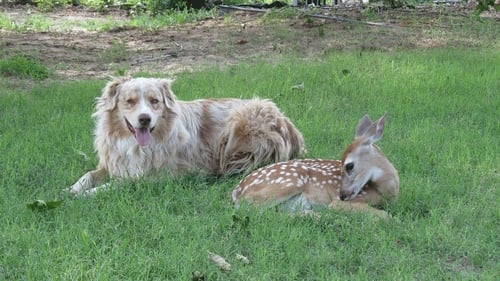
(363, 176)
(298, 184)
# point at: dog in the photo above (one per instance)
(142, 129)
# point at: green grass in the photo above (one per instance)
(37, 21)
(442, 134)
(23, 66)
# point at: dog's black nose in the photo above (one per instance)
(144, 119)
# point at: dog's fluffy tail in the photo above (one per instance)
(257, 133)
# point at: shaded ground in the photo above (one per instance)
(233, 36)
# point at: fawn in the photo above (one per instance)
(362, 178)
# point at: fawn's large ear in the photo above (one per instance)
(109, 98)
(168, 94)
(363, 125)
(375, 131)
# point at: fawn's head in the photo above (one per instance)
(363, 163)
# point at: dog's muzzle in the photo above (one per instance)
(143, 133)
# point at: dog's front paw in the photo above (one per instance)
(84, 183)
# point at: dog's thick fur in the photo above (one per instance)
(141, 128)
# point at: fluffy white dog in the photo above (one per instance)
(141, 129)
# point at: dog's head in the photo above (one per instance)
(140, 103)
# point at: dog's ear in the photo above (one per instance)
(109, 98)
(168, 94)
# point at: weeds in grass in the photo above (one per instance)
(114, 54)
(38, 22)
(370, 13)
(23, 66)
(321, 31)
(5, 21)
(228, 20)
(169, 18)
(279, 14)
(35, 22)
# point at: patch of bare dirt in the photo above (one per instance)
(232, 37)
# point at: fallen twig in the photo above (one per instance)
(255, 10)
(139, 61)
(350, 20)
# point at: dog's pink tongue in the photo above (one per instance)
(143, 136)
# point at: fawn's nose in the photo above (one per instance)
(144, 120)
(343, 197)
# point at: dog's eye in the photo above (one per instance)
(348, 167)
(154, 101)
(131, 101)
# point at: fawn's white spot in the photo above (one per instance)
(299, 183)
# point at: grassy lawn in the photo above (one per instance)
(442, 134)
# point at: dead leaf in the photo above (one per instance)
(299, 87)
(197, 276)
(242, 258)
(40, 205)
(219, 261)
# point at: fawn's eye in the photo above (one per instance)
(348, 167)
